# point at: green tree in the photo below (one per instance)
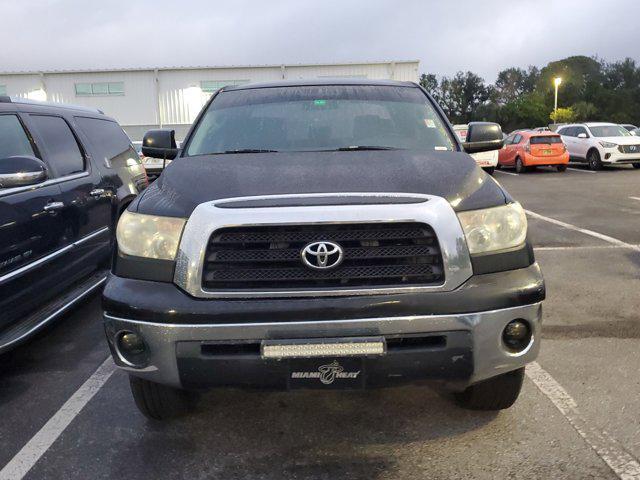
(514, 82)
(584, 111)
(563, 115)
(429, 82)
(462, 96)
(527, 111)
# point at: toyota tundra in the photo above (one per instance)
(323, 234)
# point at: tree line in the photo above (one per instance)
(591, 90)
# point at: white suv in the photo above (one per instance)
(488, 161)
(601, 143)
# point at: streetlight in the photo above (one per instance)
(556, 81)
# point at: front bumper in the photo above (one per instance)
(178, 330)
(613, 155)
(472, 349)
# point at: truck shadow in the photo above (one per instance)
(317, 434)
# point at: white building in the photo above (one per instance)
(141, 99)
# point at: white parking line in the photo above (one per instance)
(591, 233)
(580, 170)
(623, 464)
(635, 198)
(506, 173)
(27, 457)
(583, 247)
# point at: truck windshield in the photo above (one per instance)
(312, 118)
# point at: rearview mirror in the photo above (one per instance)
(160, 144)
(21, 170)
(582, 135)
(483, 137)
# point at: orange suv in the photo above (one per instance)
(526, 150)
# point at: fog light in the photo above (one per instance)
(517, 335)
(130, 348)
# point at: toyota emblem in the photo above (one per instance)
(322, 255)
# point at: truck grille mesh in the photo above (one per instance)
(376, 254)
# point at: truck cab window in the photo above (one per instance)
(13, 138)
(60, 145)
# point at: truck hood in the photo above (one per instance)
(190, 181)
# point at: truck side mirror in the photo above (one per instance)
(160, 144)
(483, 137)
(21, 170)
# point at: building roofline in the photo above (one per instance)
(204, 67)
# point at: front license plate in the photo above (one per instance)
(326, 373)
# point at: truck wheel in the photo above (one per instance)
(520, 168)
(593, 157)
(497, 393)
(636, 165)
(562, 168)
(489, 170)
(159, 402)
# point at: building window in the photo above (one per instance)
(3, 89)
(211, 86)
(99, 89)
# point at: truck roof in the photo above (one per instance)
(37, 103)
(321, 82)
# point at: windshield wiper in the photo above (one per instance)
(250, 150)
(364, 147)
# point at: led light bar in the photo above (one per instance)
(323, 348)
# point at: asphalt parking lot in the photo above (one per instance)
(66, 413)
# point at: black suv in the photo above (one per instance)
(323, 234)
(66, 173)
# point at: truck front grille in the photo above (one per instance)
(375, 254)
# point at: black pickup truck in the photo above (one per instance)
(323, 234)
(66, 173)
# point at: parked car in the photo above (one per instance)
(323, 234)
(486, 160)
(153, 166)
(601, 143)
(629, 127)
(66, 173)
(528, 149)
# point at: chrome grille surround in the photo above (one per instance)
(211, 216)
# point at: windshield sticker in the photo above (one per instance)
(429, 123)
(319, 102)
(442, 149)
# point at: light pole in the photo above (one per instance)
(556, 81)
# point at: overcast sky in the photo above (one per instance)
(484, 36)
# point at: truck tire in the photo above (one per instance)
(593, 158)
(496, 393)
(159, 402)
(636, 165)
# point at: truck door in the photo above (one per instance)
(32, 239)
(85, 206)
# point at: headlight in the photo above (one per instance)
(149, 236)
(608, 145)
(495, 228)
